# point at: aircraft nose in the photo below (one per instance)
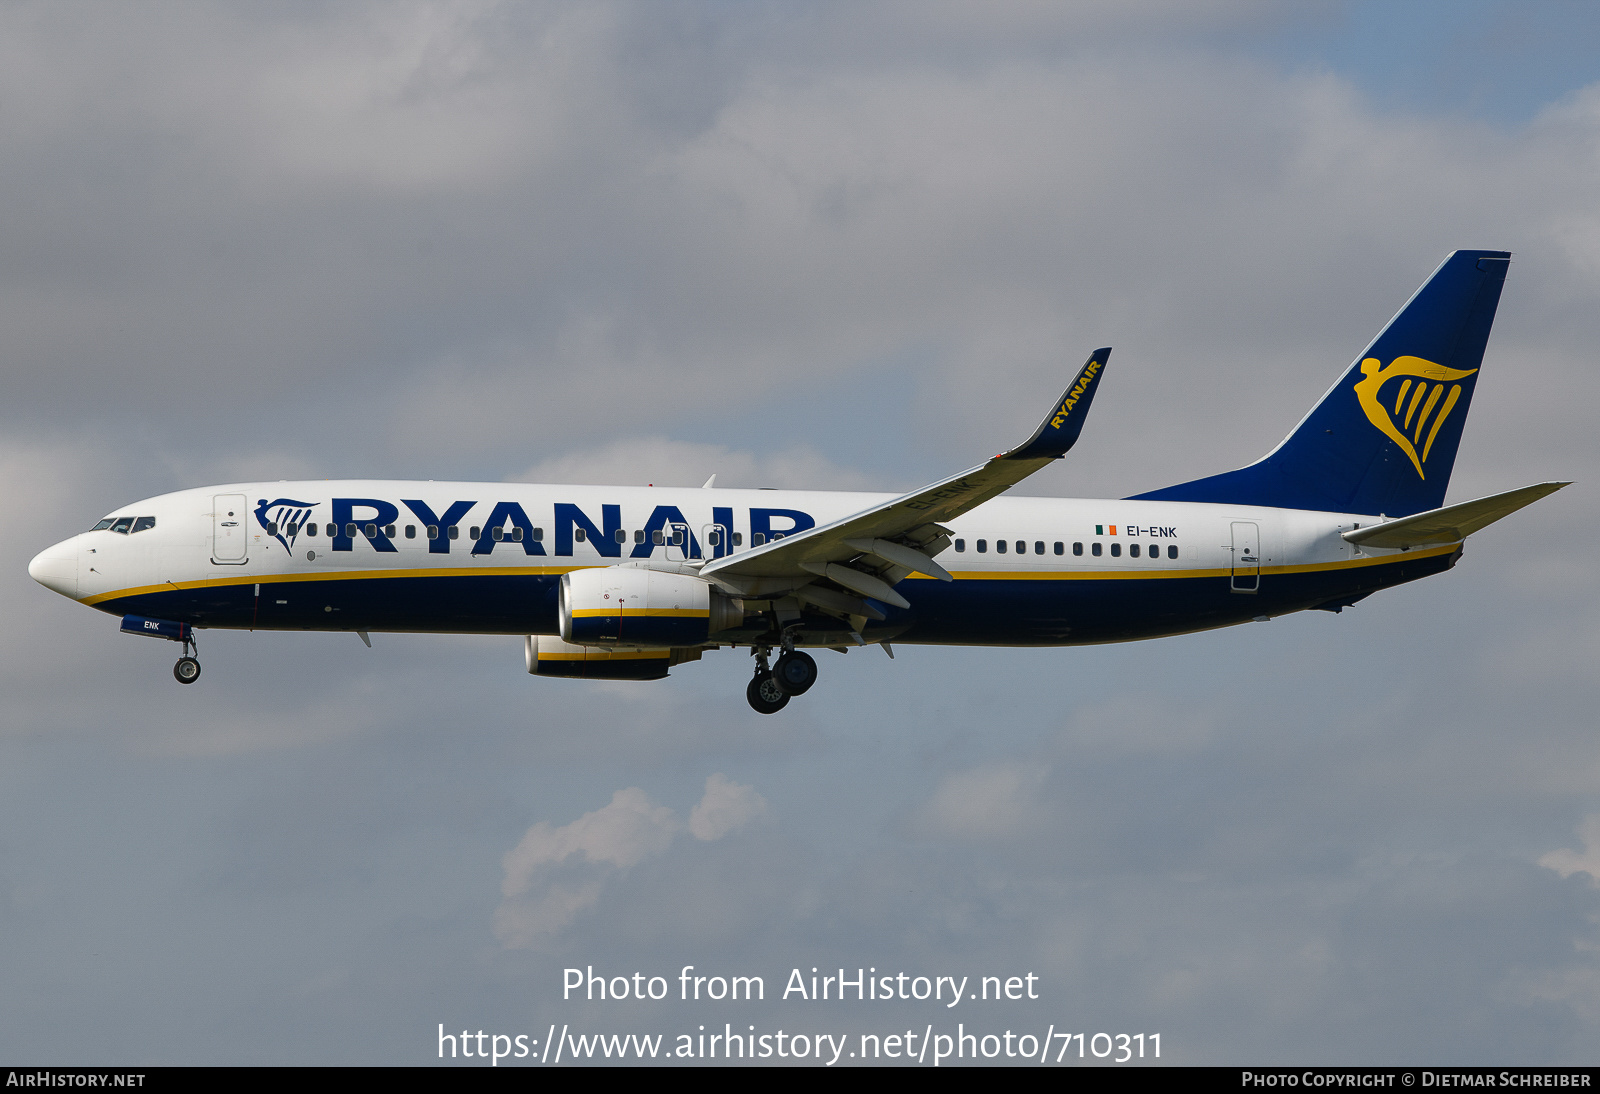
(56, 568)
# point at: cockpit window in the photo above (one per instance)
(103, 525)
(122, 524)
(144, 523)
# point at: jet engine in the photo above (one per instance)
(631, 606)
(549, 656)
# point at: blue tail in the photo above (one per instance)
(1383, 439)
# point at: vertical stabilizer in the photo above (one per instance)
(1384, 437)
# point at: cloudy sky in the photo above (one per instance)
(808, 245)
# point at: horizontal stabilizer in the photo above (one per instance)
(1451, 524)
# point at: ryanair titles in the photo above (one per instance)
(507, 525)
(1076, 392)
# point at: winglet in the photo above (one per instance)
(1061, 426)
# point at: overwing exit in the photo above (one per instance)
(626, 583)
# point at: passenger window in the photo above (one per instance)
(388, 530)
(350, 531)
(455, 531)
(738, 539)
(578, 534)
(272, 527)
(1172, 550)
(756, 540)
(1038, 547)
(1094, 549)
(311, 529)
(983, 546)
(516, 535)
(433, 531)
(1133, 550)
(1116, 550)
(144, 522)
(294, 530)
(411, 531)
(538, 534)
(1022, 548)
(713, 538)
(999, 546)
(1077, 548)
(102, 526)
(620, 536)
(638, 535)
(961, 546)
(122, 525)
(658, 537)
(372, 531)
(497, 534)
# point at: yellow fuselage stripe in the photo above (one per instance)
(634, 613)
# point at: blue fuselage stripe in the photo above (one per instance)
(971, 611)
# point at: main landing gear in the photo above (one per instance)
(772, 688)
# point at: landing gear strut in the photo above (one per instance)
(187, 670)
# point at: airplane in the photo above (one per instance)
(625, 583)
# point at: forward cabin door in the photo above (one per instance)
(229, 529)
(1246, 557)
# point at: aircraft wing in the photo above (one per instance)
(1451, 524)
(870, 551)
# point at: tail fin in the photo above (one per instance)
(1383, 439)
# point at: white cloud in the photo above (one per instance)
(985, 802)
(555, 873)
(1567, 862)
(725, 807)
(622, 833)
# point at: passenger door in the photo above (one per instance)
(230, 529)
(1246, 557)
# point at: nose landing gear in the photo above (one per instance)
(187, 670)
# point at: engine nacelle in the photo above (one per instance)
(549, 656)
(631, 606)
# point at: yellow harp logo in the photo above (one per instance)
(1425, 383)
